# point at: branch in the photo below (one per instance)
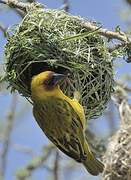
(4, 30)
(24, 149)
(56, 166)
(16, 4)
(35, 163)
(66, 6)
(118, 46)
(7, 135)
(124, 86)
(20, 12)
(129, 2)
(121, 36)
(118, 156)
(30, 1)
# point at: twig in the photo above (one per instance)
(30, 1)
(23, 149)
(35, 163)
(7, 135)
(12, 3)
(16, 4)
(121, 36)
(56, 166)
(125, 87)
(117, 46)
(66, 6)
(4, 30)
(20, 12)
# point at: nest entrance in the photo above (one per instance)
(34, 69)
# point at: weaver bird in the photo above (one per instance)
(62, 119)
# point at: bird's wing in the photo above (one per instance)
(70, 136)
(72, 143)
(80, 112)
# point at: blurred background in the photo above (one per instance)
(24, 149)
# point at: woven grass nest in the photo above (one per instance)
(42, 42)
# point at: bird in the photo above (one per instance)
(62, 119)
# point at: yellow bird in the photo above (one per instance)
(62, 119)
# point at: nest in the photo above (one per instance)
(41, 42)
(117, 158)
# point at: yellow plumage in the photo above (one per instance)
(62, 120)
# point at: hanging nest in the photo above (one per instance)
(42, 42)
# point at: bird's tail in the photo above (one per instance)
(92, 165)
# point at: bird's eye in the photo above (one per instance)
(49, 82)
(54, 79)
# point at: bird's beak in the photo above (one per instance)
(58, 77)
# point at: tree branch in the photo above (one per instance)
(20, 12)
(35, 163)
(121, 36)
(24, 149)
(3, 30)
(7, 135)
(66, 6)
(56, 166)
(16, 4)
(124, 86)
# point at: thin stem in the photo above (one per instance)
(56, 166)
(66, 5)
(7, 135)
(4, 30)
(124, 86)
(35, 163)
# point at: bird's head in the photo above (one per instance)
(46, 83)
